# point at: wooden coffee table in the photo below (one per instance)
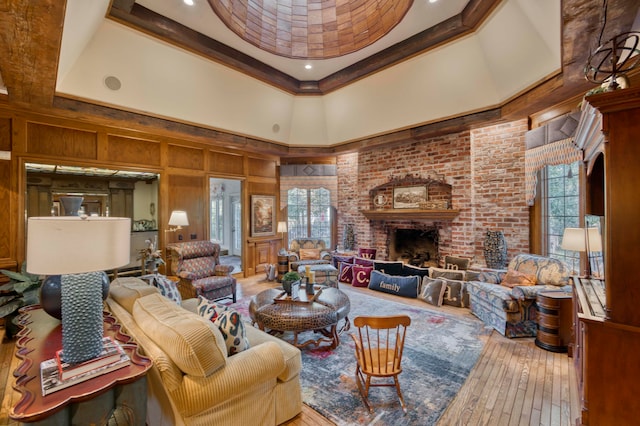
(321, 313)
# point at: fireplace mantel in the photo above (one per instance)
(410, 214)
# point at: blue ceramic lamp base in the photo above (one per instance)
(82, 325)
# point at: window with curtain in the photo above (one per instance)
(561, 200)
(309, 214)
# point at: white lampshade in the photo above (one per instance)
(574, 239)
(179, 218)
(595, 240)
(282, 227)
(73, 244)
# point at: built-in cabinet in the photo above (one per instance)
(607, 314)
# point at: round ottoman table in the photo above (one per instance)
(320, 313)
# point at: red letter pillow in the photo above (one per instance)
(346, 273)
(361, 275)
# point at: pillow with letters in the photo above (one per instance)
(455, 294)
(432, 291)
(393, 284)
(361, 275)
(346, 273)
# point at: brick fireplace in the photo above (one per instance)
(485, 168)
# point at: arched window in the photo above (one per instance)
(309, 214)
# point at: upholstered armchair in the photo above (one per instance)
(308, 252)
(197, 264)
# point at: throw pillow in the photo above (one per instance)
(361, 275)
(346, 273)
(362, 261)
(228, 322)
(232, 328)
(432, 291)
(453, 262)
(414, 270)
(386, 267)
(309, 254)
(336, 260)
(400, 286)
(168, 289)
(449, 274)
(455, 293)
(514, 278)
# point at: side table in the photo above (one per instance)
(554, 320)
(283, 265)
(121, 392)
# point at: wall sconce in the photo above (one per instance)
(178, 219)
(586, 240)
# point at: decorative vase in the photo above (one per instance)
(495, 250)
(349, 237)
(71, 205)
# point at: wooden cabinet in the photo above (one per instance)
(607, 320)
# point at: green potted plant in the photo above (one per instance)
(21, 290)
(288, 279)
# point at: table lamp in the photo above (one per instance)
(79, 249)
(282, 229)
(583, 240)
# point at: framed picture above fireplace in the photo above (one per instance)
(409, 197)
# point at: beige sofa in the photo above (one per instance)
(193, 381)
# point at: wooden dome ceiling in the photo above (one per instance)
(314, 29)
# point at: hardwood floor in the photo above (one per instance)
(513, 383)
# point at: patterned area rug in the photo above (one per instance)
(440, 351)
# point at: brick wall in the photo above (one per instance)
(485, 168)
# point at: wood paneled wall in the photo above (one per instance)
(184, 166)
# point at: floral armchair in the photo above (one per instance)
(197, 264)
(308, 252)
(505, 299)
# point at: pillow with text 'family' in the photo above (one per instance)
(393, 284)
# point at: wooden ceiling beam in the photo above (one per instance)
(29, 49)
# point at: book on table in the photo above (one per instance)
(50, 373)
(111, 352)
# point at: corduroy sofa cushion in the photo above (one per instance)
(194, 344)
(127, 290)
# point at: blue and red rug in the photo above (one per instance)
(440, 351)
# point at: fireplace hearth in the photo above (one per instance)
(417, 247)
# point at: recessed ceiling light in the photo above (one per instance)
(188, 2)
(308, 66)
(430, 1)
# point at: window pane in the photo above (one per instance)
(561, 200)
(309, 214)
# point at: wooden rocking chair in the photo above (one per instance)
(379, 345)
